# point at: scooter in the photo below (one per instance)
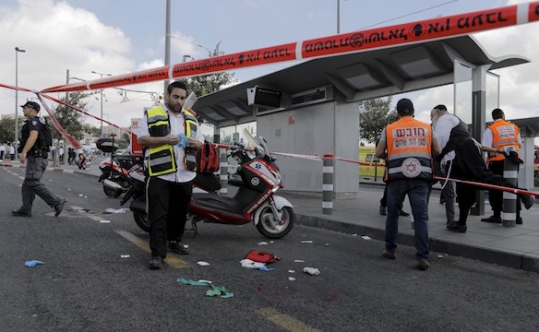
(115, 174)
(255, 200)
(114, 169)
(83, 162)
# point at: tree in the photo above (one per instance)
(93, 131)
(205, 84)
(69, 118)
(7, 129)
(374, 115)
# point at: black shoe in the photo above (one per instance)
(383, 210)
(177, 248)
(19, 213)
(156, 263)
(388, 254)
(493, 219)
(423, 265)
(528, 201)
(519, 221)
(403, 214)
(59, 207)
(456, 227)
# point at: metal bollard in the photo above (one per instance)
(510, 173)
(327, 184)
(223, 176)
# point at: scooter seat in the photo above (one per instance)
(212, 201)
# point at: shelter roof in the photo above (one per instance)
(357, 76)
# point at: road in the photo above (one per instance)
(95, 277)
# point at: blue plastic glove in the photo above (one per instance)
(264, 268)
(183, 140)
(33, 263)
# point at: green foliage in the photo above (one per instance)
(374, 115)
(206, 84)
(92, 131)
(70, 119)
(7, 129)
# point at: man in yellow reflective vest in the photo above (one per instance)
(408, 146)
(171, 169)
(500, 135)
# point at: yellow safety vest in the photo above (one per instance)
(161, 159)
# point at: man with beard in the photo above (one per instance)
(462, 157)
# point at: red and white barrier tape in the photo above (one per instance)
(352, 42)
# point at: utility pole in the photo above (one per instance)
(167, 43)
(101, 118)
(17, 50)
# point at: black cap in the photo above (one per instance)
(32, 104)
(405, 107)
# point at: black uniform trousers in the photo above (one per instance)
(167, 209)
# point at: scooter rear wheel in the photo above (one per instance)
(274, 229)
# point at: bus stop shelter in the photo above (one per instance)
(312, 108)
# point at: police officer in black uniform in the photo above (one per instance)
(34, 153)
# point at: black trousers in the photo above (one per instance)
(470, 165)
(167, 209)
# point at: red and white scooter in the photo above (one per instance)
(255, 200)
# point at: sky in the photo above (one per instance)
(121, 36)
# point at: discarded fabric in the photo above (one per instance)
(215, 291)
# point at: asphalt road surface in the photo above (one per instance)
(95, 277)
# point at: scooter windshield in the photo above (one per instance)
(258, 145)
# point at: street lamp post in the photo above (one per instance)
(101, 127)
(17, 50)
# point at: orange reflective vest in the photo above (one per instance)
(409, 143)
(504, 134)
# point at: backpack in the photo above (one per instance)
(208, 158)
(45, 136)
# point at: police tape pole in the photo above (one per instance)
(223, 177)
(327, 184)
(510, 173)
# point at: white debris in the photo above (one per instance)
(311, 270)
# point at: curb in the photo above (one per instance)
(484, 254)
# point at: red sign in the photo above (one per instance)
(135, 147)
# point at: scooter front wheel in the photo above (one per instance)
(111, 192)
(141, 218)
(272, 228)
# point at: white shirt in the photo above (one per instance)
(176, 127)
(442, 130)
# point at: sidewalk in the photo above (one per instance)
(516, 247)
